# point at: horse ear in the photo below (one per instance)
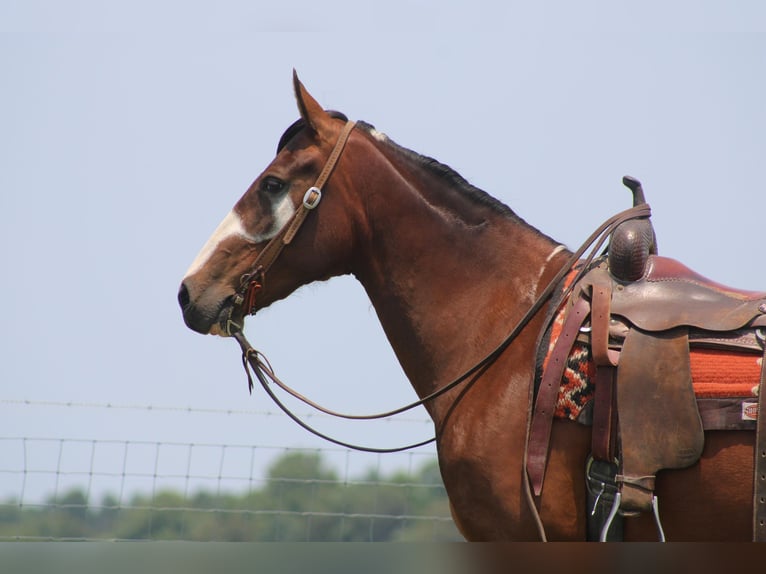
(311, 112)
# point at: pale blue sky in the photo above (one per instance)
(128, 129)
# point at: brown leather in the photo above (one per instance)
(604, 428)
(545, 405)
(660, 426)
(600, 318)
(253, 281)
(668, 269)
(759, 483)
(742, 339)
(726, 414)
(637, 492)
(672, 295)
(629, 248)
(604, 412)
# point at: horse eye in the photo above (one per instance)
(272, 185)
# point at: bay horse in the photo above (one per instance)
(447, 268)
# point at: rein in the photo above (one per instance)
(252, 282)
(260, 365)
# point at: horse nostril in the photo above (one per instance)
(183, 296)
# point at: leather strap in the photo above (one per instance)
(545, 405)
(759, 484)
(726, 414)
(253, 281)
(604, 414)
(600, 316)
(309, 203)
(604, 423)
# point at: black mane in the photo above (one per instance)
(299, 124)
(447, 173)
(439, 169)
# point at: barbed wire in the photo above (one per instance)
(220, 476)
(186, 409)
(50, 475)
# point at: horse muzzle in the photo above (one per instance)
(209, 314)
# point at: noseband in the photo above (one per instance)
(252, 281)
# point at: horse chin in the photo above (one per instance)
(230, 320)
(218, 330)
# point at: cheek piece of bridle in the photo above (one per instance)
(253, 281)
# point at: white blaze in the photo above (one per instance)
(232, 226)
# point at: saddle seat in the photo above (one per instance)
(671, 295)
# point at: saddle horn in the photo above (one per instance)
(635, 186)
(633, 241)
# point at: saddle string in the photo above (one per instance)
(255, 360)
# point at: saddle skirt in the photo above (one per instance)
(724, 363)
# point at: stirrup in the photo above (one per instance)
(600, 490)
(616, 508)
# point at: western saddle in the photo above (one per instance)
(640, 314)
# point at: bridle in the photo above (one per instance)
(253, 281)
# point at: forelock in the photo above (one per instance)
(298, 125)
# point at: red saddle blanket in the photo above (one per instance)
(715, 374)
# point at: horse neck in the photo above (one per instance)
(448, 276)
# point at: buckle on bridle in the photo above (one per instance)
(312, 197)
(250, 284)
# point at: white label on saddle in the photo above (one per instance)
(749, 411)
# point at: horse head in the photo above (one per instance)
(218, 290)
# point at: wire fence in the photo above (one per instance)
(55, 486)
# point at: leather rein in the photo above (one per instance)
(252, 282)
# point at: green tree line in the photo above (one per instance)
(302, 499)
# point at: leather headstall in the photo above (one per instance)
(254, 280)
